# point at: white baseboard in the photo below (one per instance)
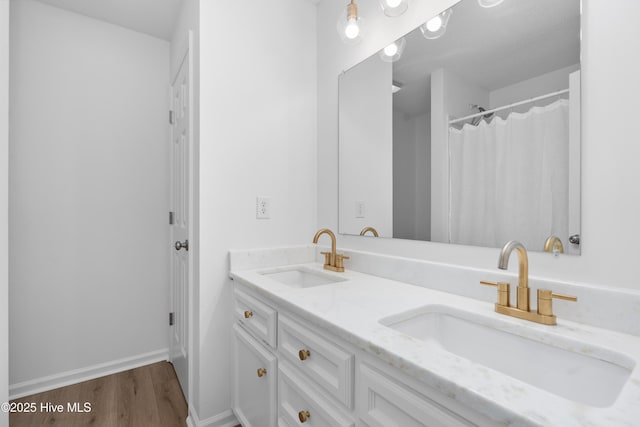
(224, 419)
(75, 376)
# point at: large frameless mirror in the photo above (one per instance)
(467, 130)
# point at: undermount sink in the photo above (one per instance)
(301, 278)
(574, 370)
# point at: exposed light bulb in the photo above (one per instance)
(351, 26)
(391, 50)
(434, 24)
(435, 27)
(352, 30)
(394, 8)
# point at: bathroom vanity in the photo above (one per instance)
(314, 347)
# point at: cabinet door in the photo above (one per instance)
(383, 402)
(255, 381)
(301, 404)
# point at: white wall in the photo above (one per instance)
(404, 176)
(257, 138)
(422, 125)
(610, 204)
(4, 207)
(88, 192)
(188, 19)
(367, 148)
(540, 85)
(411, 177)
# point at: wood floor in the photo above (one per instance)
(147, 396)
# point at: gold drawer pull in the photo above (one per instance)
(262, 372)
(304, 416)
(304, 354)
(248, 314)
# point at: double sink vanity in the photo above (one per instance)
(323, 348)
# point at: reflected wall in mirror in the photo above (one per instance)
(471, 137)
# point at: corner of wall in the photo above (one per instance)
(4, 207)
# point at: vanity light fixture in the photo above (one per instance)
(393, 52)
(350, 24)
(489, 3)
(394, 7)
(436, 26)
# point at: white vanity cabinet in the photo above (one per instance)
(255, 381)
(256, 317)
(318, 358)
(323, 381)
(255, 367)
(386, 398)
(301, 403)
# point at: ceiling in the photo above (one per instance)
(491, 48)
(153, 17)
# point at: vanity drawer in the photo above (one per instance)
(384, 402)
(296, 395)
(257, 317)
(320, 359)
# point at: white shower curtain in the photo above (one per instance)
(509, 178)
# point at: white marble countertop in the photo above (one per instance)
(352, 308)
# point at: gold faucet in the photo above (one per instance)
(553, 244)
(332, 260)
(544, 314)
(371, 229)
(522, 299)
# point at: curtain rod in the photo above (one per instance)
(515, 104)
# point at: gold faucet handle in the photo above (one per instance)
(487, 283)
(503, 291)
(545, 296)
(327, 258)
(339, 261)
(564, 297)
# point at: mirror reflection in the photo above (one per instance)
(467, 130)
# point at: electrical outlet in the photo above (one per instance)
(360, 208)
(263, 207)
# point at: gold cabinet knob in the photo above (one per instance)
(262, 372)
(248, 314)
(303, 416)
(304, 354)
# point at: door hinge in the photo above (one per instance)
(170, 319)
(171, 215)
(171, 121)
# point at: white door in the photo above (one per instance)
(179, 224)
